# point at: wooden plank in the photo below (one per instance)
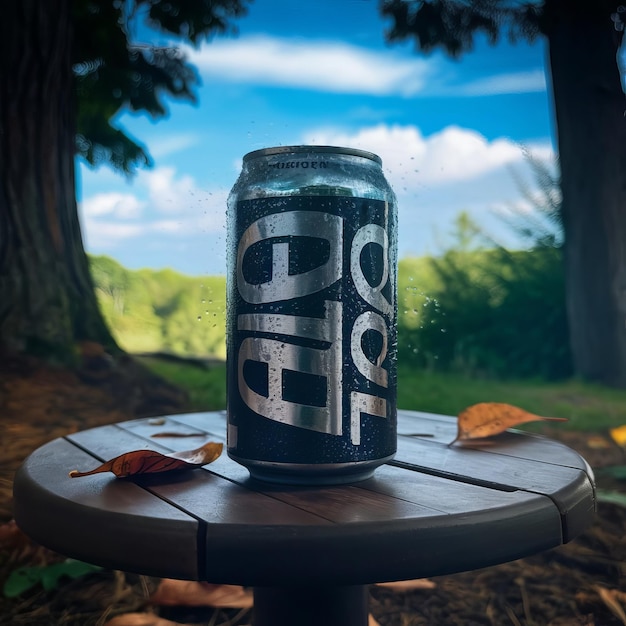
(515, 445)
(338, 504)
(346, 505)
(478, 466)
(361, 553)
(101, 520)
(565, 485)
(202, 494)
(570, 489)
(403, 523)
(443, 429)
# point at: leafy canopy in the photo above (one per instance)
(452, 24)
(114, 72)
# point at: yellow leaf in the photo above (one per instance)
(492, 418)
(619, 435)
(151, 462)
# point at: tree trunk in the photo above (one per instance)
(47, 300)
(589, 105)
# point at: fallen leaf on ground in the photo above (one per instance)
(140, 619)
(492, 418)
(619, 435)
(610, 598)
(172, 592)
(409, 585)
(11, 536)
(598, 442)
(150, 462)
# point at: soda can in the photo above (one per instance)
(311, 315)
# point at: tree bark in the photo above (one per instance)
(47, 300)
(589, 106)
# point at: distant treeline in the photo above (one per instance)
(162, 310)
(484, 311)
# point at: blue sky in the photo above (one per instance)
(449, 132)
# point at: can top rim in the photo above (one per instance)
(255, 154)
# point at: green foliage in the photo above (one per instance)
(587, 406)
(24, 578)
(453, 24)
(113, 72)
(150, 311)
(485, 311)
(205, 385)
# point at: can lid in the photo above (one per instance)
(255, 154)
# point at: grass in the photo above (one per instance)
(588, 407)
(206, 386)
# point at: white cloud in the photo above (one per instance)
(170, 144)
(516, 83)
(324, 66)
(168, 193)
(412, 160)
(108, 234)
(338, 67)
(113, 218)
(115, 204)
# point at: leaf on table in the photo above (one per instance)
(24, 578)
(157, 421)
(409, 585)
(172, 592)
(140, 619)
(492, 418)
(150, 461)
(175, 434)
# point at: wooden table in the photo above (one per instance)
(309, 552)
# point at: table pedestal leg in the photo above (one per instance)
(311, 606)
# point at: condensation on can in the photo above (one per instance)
(311, 315)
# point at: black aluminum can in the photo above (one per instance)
(311, 315)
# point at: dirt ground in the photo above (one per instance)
(580, 584)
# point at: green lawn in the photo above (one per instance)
(588, 407)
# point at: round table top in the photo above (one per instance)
(435, 509)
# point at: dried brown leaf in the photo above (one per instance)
(409, 585)
(140, 619)
(11, 536)
(609, 598)
(371, 621)
(150, 462)
(492, 418)
(172, 592)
